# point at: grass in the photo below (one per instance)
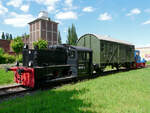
(6, 78)
(124, 92)
(148, 63)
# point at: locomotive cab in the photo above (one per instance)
(80, 60)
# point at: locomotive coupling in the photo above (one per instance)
(20, 71)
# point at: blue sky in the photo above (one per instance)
(121, 19)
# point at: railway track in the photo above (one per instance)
(12, 90)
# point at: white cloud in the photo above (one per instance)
(3, 9)
(50, 8)
(66, 15)
(14, 3)
(50, 4)
(47, 2)
(104, 16)
(24, 8)
(68, 3)
(88, 9)
(59, 22)
(146, 22)
(18, 20)
(135, 11)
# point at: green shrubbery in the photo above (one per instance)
(17, 45)
(9, 58)
(42, 44)
(19, 58)
(6, 58)
(2, 59)
(1, 51)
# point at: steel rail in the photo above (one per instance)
(11, 90)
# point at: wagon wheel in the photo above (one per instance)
(117, 67)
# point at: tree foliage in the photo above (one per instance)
(7, 36)
(17, 45)
(42, 44)
(72, 35)
(10, 36)
(25, 35)
(59, 38)
(1, 51)
(3, 36)
(6, 58)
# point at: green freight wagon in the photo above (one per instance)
(108, 51)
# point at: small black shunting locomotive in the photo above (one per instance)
(58, 62)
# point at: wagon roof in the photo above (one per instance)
(108, 38)
(82, 48)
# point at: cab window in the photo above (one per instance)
(72, 54)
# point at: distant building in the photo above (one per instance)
(43, 28)
(144, 52)
(5, 44)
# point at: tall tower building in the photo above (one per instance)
(43, 28)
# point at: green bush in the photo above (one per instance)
(42, 44)
(9, 58)
(17, 45)
(1, 51)
(6, 58)
(19, 58)
(2, 59)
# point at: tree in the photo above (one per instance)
(69, 41)
(25, 35)
(10, 36)
(59, 38)
(17, 45)
(72, 36)
(7, 36)
(2, 59)
(42, 44)
(3, 36)
(1, 51)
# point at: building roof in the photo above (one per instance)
(108, 38)
(42, 19)
(142, 47)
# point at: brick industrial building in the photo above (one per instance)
(5, 44)
(43, 28)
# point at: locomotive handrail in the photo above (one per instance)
(16, 69)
